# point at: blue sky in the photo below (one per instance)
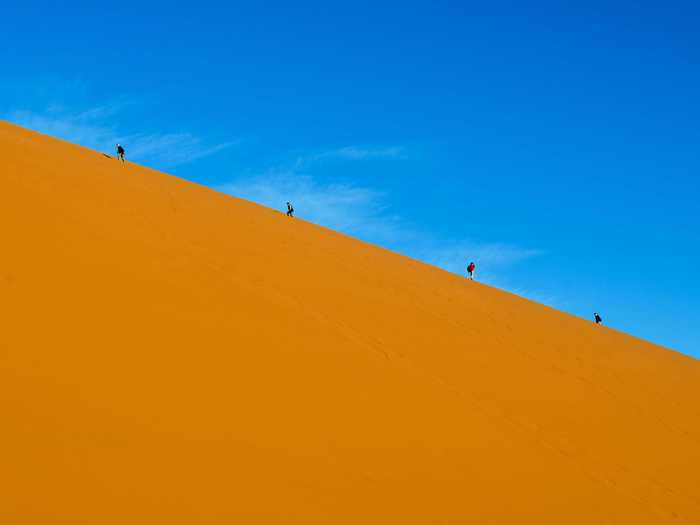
(557, 145)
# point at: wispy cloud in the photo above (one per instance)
(172, 149)
(351, 153)
(359, 153)
(453, 255)
(350, 209)
(496, 262)
(75, 128)
(95, 128)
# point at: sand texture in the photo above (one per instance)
(172, 355)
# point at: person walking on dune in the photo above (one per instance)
(470, 270)
(598, 318)
(290, 210)
(120, 152)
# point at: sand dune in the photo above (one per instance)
(172, 355)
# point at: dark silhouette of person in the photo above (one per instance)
(120, 152)
(470, 270)
(598, 318)
(290, 210)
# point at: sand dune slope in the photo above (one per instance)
(173, 355)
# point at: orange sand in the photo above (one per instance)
(171, 355)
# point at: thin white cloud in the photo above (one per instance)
(351, 153)
(171, 149)
(351, 209)
(495, 264)
(94, 129)
(455, 256)
(67, 127)
(102, 112)
(357, 153)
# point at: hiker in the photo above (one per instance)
(120, 152)
(470, 270)
(598, 318)
(290, 210)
